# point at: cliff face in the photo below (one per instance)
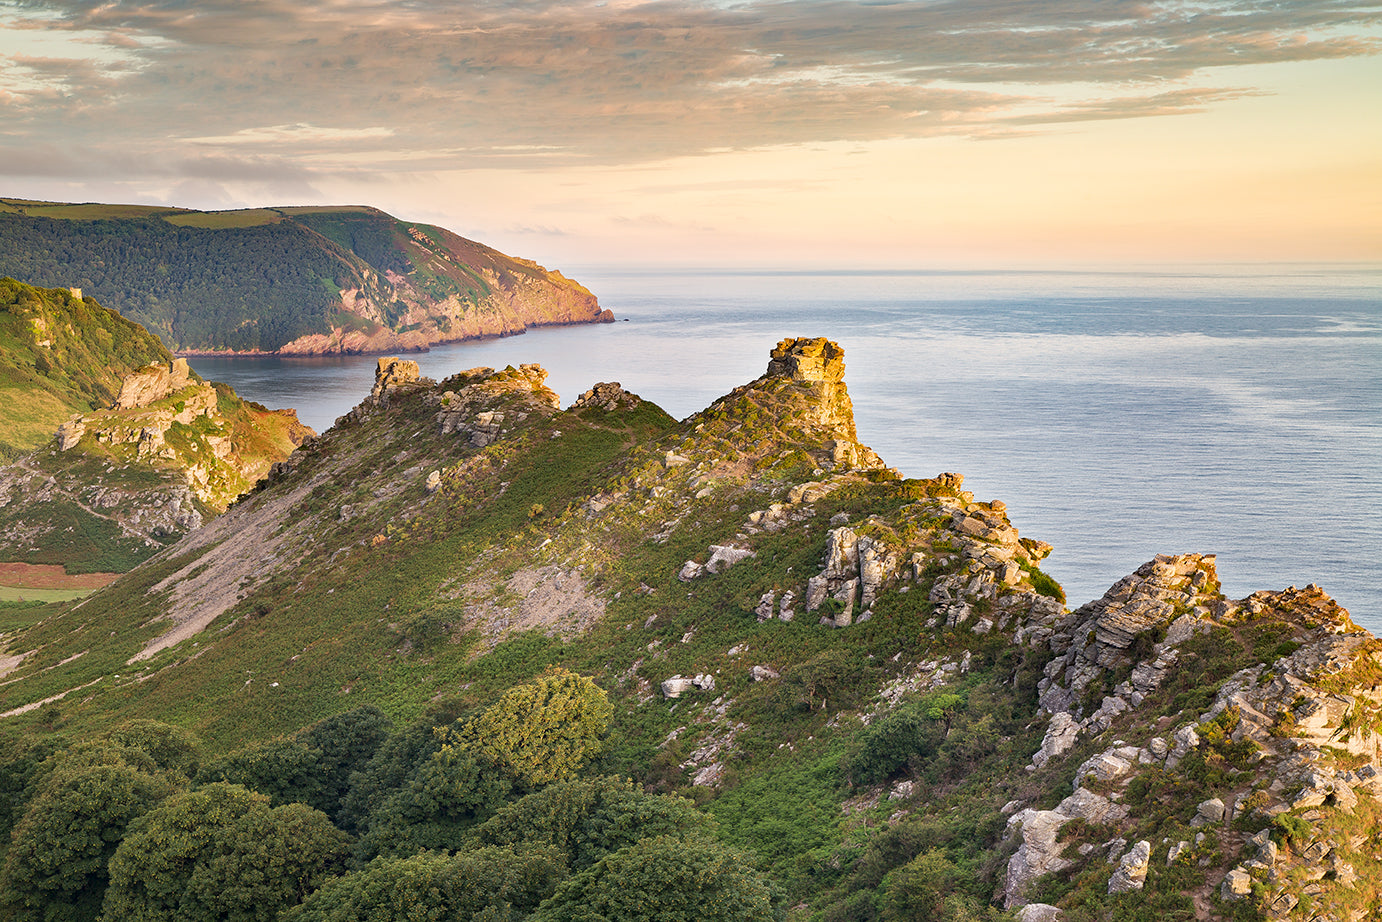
(867, 679)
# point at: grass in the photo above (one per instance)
(244, 217)
(20, 594)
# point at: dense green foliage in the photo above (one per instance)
(485, 884)
(664, 879)
(239, 288)
(60, 355)
(540, 732)
(220, 852)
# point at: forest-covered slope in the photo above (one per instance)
(306, 280)
(508, 661)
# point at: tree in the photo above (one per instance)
(345, 743)
(448, 794)
(283, 769)
(56, 868)
(665, 879)
(588, 818)
(540, 732)
(220, 852)
(489, 884)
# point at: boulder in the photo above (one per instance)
(1132, 869)
(1038, 854)
(1236, 885)
(1039, 912)
(1209, 813)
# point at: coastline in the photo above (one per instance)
(605, 316)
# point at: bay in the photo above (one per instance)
(1227, 410)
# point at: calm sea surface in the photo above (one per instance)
(1119, 415)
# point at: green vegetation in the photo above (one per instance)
(448, 687)
(255, 279)
(60, 355)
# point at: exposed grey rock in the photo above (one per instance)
(1039, 912)
(766, 604)
(1209, 813)
(762, 673)
(1092, 807)
(1038, 854)
(1061, 734)
(1236, 885)
(1132, 869)
(676, 686)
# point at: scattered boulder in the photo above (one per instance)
(677, 685)
(1132, 869)
(1236, 885)
(1209, 813)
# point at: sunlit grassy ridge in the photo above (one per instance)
(446, 542)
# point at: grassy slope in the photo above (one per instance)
(91, 348)
(372, 616)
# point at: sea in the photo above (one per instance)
(1230, 410)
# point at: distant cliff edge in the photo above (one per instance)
(286, 281)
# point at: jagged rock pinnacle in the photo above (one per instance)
(819, 365)
(804, 359)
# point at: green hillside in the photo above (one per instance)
(145, 449)
(61, 354)
(486, 658)
(260, 280)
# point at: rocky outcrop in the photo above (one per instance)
(818, 366)
(607, 396)
(1295, 734)
(172, 452)
(151, 383)
(392, 373)
(1135, 625)
(469, 404)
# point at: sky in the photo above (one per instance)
(773, 133)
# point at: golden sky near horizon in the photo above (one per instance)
(843, 133)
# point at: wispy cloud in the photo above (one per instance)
(487, 83)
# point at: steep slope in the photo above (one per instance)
(286, 280)
(116, 485)
(867, 680)
(61, 354)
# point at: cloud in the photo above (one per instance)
(442, 85)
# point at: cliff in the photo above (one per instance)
(289, 281)
(865, 680)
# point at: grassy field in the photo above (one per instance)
(247, 217)
(21, 594)
(90, 211)
(31, 417)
